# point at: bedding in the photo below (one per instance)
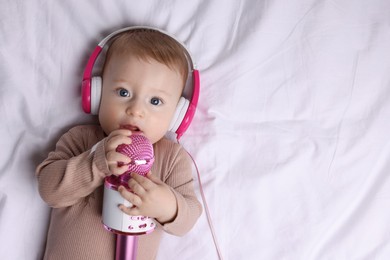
(291, 133)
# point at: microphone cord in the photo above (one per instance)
(206, 208)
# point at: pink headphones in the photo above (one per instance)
(92, 86)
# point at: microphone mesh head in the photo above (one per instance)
(140, 151)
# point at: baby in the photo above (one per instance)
(143, 78)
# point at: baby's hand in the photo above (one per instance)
(151, 197)
(115, 160)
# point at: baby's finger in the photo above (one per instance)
(113, 142)
(130, 196)
(132, 211)
(115, 157)
(142, 181)
(117, 137)
(125, 132)
(136, 187)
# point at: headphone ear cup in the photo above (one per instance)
(96, 94)
(181, 110)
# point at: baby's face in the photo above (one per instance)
(139, 95)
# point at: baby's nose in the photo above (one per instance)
(135, 108)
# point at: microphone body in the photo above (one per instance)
(127, 228)
(142, 157)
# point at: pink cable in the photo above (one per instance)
(206, 208)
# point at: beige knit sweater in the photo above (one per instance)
(71, 182)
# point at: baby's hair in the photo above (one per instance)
(147, 44)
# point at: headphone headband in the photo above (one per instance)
(179, 125)
(130, 28)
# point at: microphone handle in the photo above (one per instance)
(126, 247)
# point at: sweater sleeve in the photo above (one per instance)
(182, 184)
(73, 171)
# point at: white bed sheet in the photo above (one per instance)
(290, 136)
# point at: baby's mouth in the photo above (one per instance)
(132, 128)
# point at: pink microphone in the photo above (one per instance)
(140, 151)
(127, 228)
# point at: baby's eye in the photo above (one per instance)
(155, 101)
(123, 92)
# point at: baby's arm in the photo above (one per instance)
(72, 172)
(188, 207)
(75, 169)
